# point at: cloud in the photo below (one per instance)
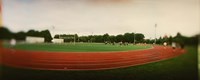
(73, 16)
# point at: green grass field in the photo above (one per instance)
(183, 67)
(78, 47)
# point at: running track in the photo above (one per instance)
(84, 60)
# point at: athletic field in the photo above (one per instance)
(78, 47)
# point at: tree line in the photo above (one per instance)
(127, 37)
(179, 38)
(6, 34)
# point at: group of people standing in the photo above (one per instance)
(174, 45)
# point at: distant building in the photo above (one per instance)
(58, 40)
(67, 37)
(31, 39)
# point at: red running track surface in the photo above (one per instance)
(84, 60)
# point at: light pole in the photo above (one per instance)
(134, 36)
(74, 39)
(53, 31)
(1, 21)
(91, 37)
(78, 37)
(155, 33)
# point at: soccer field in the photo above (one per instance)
(78, 47)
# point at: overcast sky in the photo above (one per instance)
(85, 17)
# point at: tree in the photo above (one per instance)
(170, 39)
(112, 38)
(56, 36)
(179, 38)
(98, 38)
(148, 41)
(193, 40)
(20, 35)
(119, 38)
(5, 33)
(129, 37)
(159, 41)
(46, 34)
(139, 37)
(33, 33)
(83, 39)
(106, 37)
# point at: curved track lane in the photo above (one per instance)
(84, 60)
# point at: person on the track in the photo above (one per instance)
(165, 44)
(12, 43)
(173, 45)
